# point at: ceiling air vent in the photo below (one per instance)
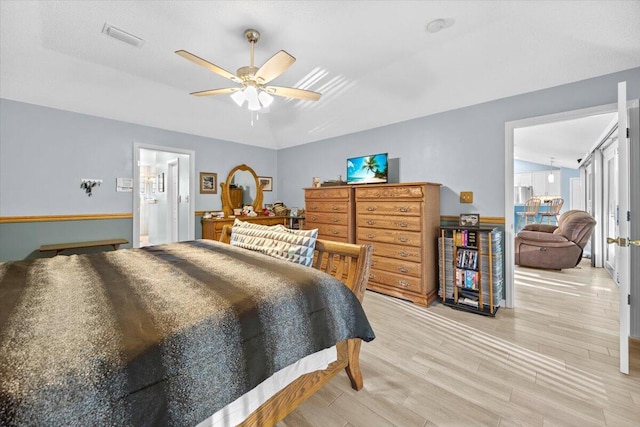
(121, 35)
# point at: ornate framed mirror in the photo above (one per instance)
(242, 185)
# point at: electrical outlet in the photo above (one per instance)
(466, 197)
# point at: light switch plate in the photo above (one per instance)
(466, 197)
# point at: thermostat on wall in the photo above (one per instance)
(124, 185)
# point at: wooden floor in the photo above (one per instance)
(552, 361)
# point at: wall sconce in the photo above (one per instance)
(88, 184)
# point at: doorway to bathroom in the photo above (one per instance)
(163, 203)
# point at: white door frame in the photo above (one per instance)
(609, 202)
(508, 179)
(173, 179)
(136, 186)
(623, 267)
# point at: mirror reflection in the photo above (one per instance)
(244, 182)
(241, 188)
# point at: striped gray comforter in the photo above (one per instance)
(165, 335)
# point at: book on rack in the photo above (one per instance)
(471, 279)
(467, 258)
(471, 238)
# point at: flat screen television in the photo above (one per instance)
(371, 169)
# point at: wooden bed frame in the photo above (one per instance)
(350, 263)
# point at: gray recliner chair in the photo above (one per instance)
(555, 247)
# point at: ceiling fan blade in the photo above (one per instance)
(275, 66)
(291, 92)
(216, 91)
(208, 65)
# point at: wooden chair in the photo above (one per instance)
(553, 211)
(529, 214)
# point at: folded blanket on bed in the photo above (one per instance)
(164, 335)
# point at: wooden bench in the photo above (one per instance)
(59, 247)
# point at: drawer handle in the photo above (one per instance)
(314, 218)
(403, 239)
(403, 283)
(403, 209)
(371, 236)
(335, 208)
(371, 208)
(402, 224)
(335, 232)
(315, 208)
(370, 222)
(403, 269)
(335, 219)
(372, 276)
(403, 254)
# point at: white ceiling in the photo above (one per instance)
(376, 62)
(564, 142)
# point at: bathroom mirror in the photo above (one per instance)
(245, 178)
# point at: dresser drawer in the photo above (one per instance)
(400, 237)
(406, 253)
(389, 208)
(326, 206)
(397, 266)
(326, 218)
(330, 232)
(413, 192)
(399, 281)
(410, 223)
(328, 193)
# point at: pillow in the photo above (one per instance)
(277, 241)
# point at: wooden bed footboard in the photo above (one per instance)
(350, 263)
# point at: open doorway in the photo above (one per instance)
(163, 207)
(543, 156)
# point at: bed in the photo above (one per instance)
(170, 334)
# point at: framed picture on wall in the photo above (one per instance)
(470, 220)
(266, 182)
(208, 183)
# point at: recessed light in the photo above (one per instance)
(122, 35)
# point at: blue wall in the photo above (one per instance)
(461, 149)
(44, 153)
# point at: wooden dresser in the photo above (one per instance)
(330, 210)
(402, 222)
(211, 228)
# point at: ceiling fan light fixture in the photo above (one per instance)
(265, 99)
(253, 79)
(252, 98)
(239, 97)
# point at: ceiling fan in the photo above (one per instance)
(254, 80)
